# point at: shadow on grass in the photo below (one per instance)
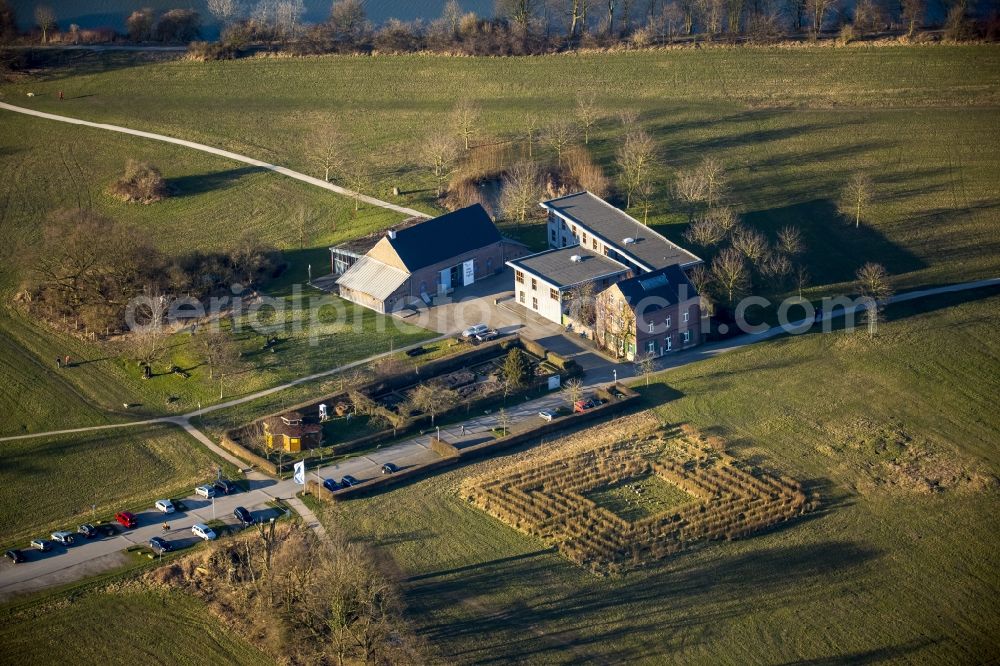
(186, 186)
(844, 248)
(682, 594)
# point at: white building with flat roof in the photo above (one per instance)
(545, 282)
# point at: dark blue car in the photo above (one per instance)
(331, 485)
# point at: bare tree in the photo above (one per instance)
(45, 18)
(587, 114)
(645, 365)
(504, 421)
(704, 232)
(913, 14)
(700, 278)
(225, 11)
(801, 278)
(355, 172)
(452, 16)
(218, 349)
(817, 11)
(439, 154)
(645, 196)
(635, 159)
(724, 217)
(750, 243)
(464, 119)
(522, 189)
(734, 14)
(875, 287)
(790, 241)
(856, 197)
(713, 176)
(690, 188)
(532, 129)
(559, 136)
(572, 392)
(324, 148)
(729, 270)
(432, 398)
(577, 15)
(776, 267)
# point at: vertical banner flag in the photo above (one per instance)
(300, 472)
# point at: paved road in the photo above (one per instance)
(66, 564)
(318, 182)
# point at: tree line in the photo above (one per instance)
(520, 27)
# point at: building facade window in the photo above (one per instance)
(553, 233)
(564, 242)
(687, 336)
(534, 302)
(519, 277)
(520, 297)
(669, 342)
(651, 346)
(687, 317)
(584, 237)
(554, 294)
(651, 325)
(668, 321)
(534, 284)
(594, 243)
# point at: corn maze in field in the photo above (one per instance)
(549, 499)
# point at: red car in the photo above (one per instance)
(126, 518)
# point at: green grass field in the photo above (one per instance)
(791, 125)
(52, 482)
(639, 498)
(880, 573)
(123, 627)
(214, 204)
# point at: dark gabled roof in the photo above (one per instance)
(360, 246)
(558, 267)
(649, 248)
(669, 284)
(441, 238)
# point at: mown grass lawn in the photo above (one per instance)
(123, 627)
(878, 573)
(54, 482)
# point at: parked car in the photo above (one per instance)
(583, 405)
(108, 529)
(126, 519)
(64, 537)
(225, 486)
(416, 351)
(203, 531)
(165, 506)
(486, 336)
(207, 492)
(348, 481)
(243, 515)
(87, 530)
(160, 545)
(389, 468)
(41, 544)
(475, 330)
(331, 485)
(547, 415)
(15, 556)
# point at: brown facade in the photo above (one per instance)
(652, 327)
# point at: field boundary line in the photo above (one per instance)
(285, 171)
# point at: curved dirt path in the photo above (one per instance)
(318, 182)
